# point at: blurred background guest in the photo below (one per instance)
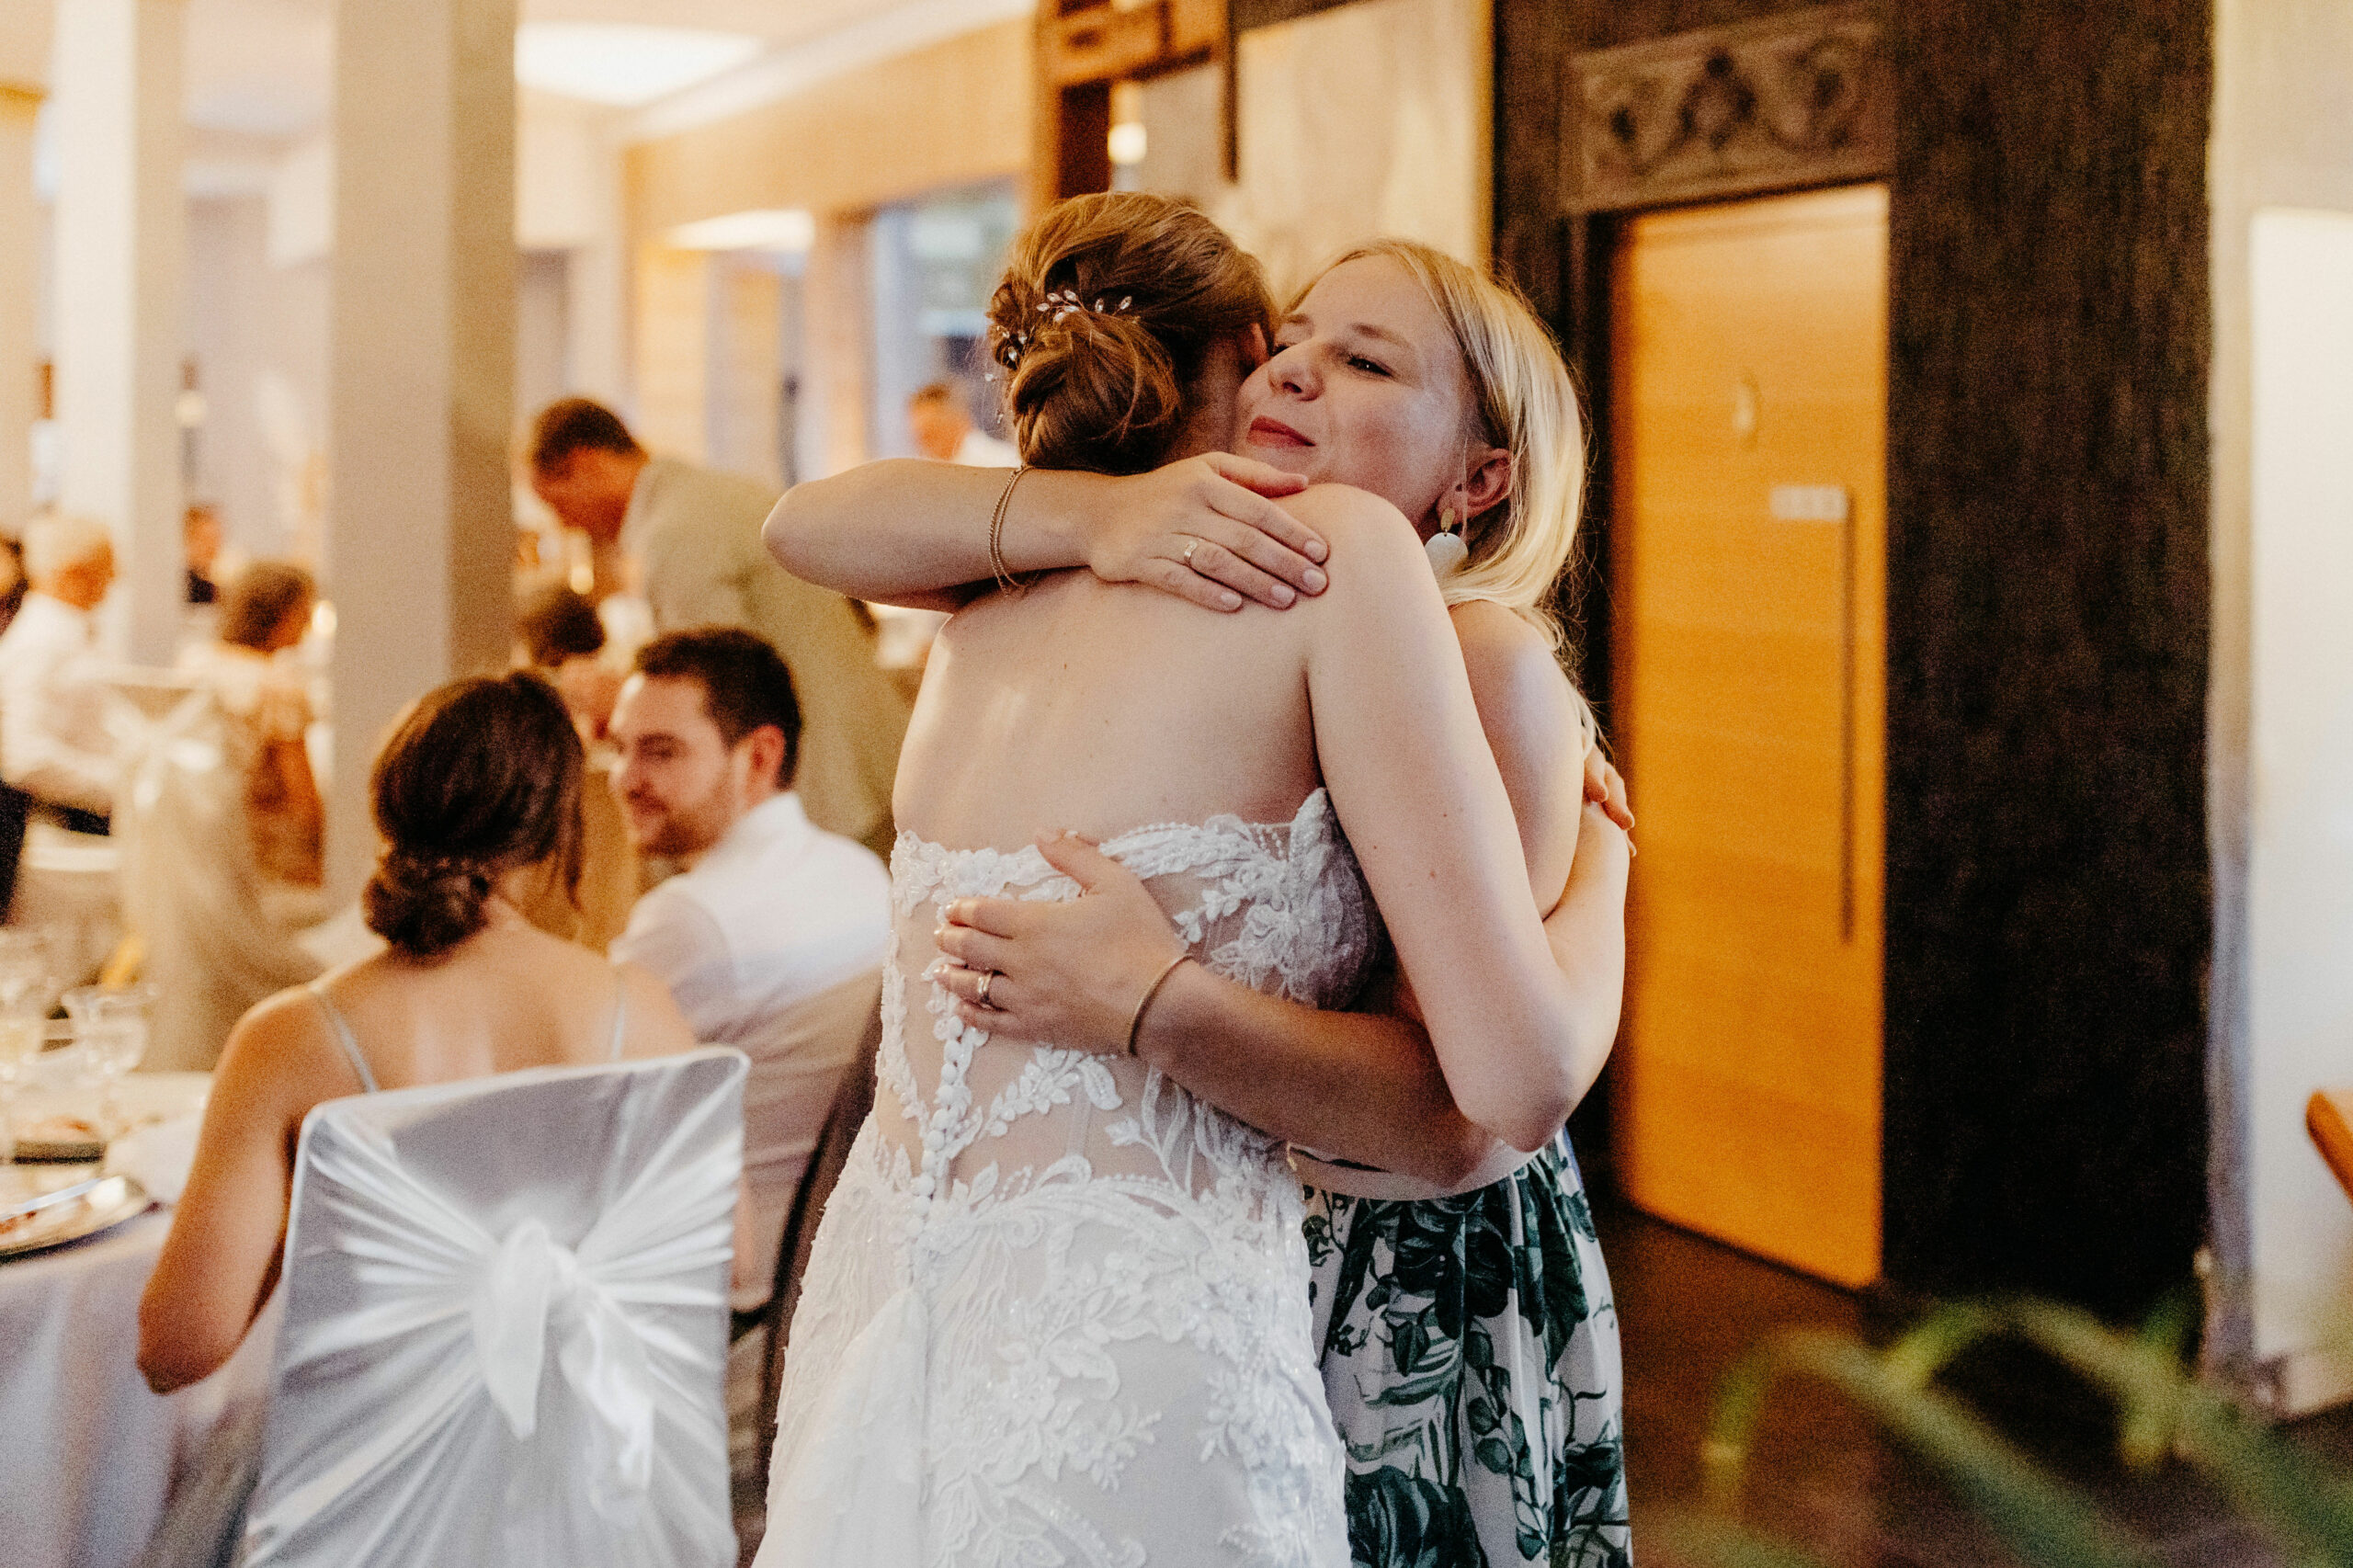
(942, 426)
(695, 535)
(268, 613)
(12, 580)
(55, 742)
(200, 539)
(220, 825)
(771, 938)
(943, 429)
(559, 634)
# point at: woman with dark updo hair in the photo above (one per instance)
(477, 795)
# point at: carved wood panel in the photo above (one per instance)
(1798, 99)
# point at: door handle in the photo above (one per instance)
(1847, 672)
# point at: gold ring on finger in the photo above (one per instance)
(987, 975)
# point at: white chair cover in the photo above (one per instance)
(507, 1325)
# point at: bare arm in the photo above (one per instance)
(1417, 790)
(222, 1256)
(911, 533)
(1433, 827)
(1363, 1086)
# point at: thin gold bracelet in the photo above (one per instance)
(1136, 1023)
(998, 567)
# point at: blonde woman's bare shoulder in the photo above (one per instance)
(1373, 548)
(1345, 511)
(1512, 664)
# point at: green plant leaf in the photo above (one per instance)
(2041, 1519)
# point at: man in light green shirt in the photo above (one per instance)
(695, 537)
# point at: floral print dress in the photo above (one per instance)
(1470, 1352)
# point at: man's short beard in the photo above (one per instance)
(675, 837)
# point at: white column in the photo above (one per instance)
(420, 535)
(21, 231)
(121, 265)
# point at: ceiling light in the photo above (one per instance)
(763, 228)
(1128, 143)
(623, 65)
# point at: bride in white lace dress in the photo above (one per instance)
(1057, 1312)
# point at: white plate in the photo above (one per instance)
(105, 1206)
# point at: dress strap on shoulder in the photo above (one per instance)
(343, 1035)
(620, 1012)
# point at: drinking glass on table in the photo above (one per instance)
(27, 992)
(110, 1029)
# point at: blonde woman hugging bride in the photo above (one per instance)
(1060, 1306)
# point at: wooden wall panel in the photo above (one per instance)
(671, 345)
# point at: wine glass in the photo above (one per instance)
(110, 1028)
(26, 992)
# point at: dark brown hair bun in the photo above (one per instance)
(1106, 315)
(479, 777)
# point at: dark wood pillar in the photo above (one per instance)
(2049, 904)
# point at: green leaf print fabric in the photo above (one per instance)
(1469, 1351)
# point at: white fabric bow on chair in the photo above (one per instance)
(447, 1245)
(534, 1283)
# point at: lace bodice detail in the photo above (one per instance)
(1057, 1312)
(1281, 907)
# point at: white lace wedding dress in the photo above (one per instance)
(1057, 1312)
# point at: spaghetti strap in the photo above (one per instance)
(620, 1012)
(343, 1035)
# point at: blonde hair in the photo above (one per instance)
(1523, 402)
(1106, 316)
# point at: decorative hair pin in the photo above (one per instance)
(1063, 302)
(1057, 306)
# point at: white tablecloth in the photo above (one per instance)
(86, 1450)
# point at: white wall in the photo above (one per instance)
(2280, 704)
(257, 332)
(228, 297)
(568, 197)
(2301, 874)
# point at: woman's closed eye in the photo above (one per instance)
(1358, 362)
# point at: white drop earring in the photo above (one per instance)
(1445, 548)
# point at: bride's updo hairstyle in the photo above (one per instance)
(1523, 402)
(1105, 318)
(482, 775)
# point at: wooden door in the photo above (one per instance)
(1749, 404)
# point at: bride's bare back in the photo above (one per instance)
(1103, 707)
(1100, 707)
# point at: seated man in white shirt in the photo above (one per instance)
(772, 938)
(55, 743)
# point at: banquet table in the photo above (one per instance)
(87, 1452)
